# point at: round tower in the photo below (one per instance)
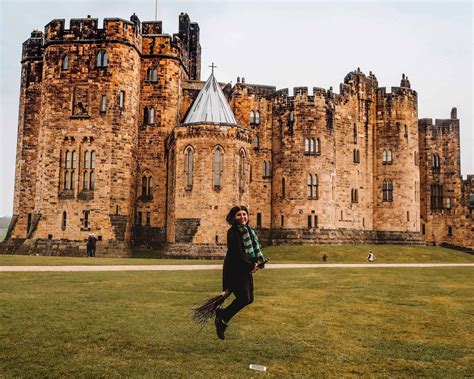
(397, 172)
(208, 170)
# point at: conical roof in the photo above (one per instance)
(210, 106)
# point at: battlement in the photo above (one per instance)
(152, 27)
(440, 125)
(33, 46)
(88, 29)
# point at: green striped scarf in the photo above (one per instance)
(251, 244)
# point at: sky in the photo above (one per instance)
(281, 43)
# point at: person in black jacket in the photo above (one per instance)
(241, 261)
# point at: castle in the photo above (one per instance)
(119, 137)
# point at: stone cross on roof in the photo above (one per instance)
(212, 67)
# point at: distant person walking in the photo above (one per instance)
(371, 257)
(91, 244)
(243, 258)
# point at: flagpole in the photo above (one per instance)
(156, 10)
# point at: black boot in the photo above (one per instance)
(221, 326)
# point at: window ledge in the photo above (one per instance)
(85, 195)
(66, 194)
(80, 116)
(188, 188)
(145, 198)
(217, 188)
(313, 197)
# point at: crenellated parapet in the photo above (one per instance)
(33, 47)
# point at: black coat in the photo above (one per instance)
(237, 267)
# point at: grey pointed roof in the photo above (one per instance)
(210, 106)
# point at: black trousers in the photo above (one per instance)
(90, 251)
(243, 293)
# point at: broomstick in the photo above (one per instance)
(208, 309)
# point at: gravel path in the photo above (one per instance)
(219, 267)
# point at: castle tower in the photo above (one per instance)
(441, 182)
(396, 160)
(208, 169)
(165, 70)
(24, 216)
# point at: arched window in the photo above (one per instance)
(306, 146)
(312, 147)
(384, 156)
(291, 120)
(257, 118)
(189, 169)
(318, 146)
(389, 156)
(101, 59)
(356, 156)
(315, 194)
(154, 75)
(151, 116)
(150, 186)
(283, 185)
(88, 171)
(354, 195)
(69, 169)
(65, 62)
(145, 115)
(252, 118)
(269, 170)
(436, 164)
(355, 133)
(64, 221)
(310, 186)
(144, 185)
(256, 142)
(218, 157)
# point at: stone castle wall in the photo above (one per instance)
(141, 195)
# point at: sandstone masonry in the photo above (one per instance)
(103, 148)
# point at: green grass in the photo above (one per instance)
(278, 254)
(358, 254)
(402, 322)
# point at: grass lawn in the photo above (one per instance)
(278, 254)
(397, 322)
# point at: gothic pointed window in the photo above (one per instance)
(310, 186)
(65, 62)
(318, 146)
(306, 146)
(189, 167)
(389, 156)
(217, 168)
(150, 186)
(98, 59)
(144, 185)
(102, 59)
(252, 118)
(384, 156)
(257, 118)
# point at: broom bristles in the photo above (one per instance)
(208, 309)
